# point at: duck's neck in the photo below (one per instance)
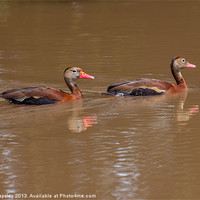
(177, 75)
(74, 88)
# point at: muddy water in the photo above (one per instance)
(111, 148)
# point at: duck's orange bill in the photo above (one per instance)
(84, 75)
(189, 65)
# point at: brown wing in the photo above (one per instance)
(35, 94)
(140, 86)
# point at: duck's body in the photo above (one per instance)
(147, 87)
(37, 95)
(48, 95)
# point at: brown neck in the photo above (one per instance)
(177, 75)
(73, 87)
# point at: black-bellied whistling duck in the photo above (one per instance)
(147, 87)
(48, 95)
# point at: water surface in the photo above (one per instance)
(110, 147)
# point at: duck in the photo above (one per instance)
(48, 95)
(150, 87)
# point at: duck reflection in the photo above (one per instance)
(79, 120)
(72, 116)
(187, 114)
(78, 124)
(182, 112)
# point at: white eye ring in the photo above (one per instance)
(183, 60)
(74, 71)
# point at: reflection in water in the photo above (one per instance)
(130, 149)
(132, 166)
(7, 160)
(194, 110)
(79, 124)
(27, 132)
(126, 153)
(147, 144)
(182, 113)
(185, 115)
(78, 120)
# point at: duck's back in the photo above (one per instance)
(139, 87)
(33, 95)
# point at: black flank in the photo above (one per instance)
(145, 92)
(33, 101)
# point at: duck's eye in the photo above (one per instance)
(74, 70)
(183, 60)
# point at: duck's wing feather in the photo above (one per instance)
(140, 87)
(33, 95)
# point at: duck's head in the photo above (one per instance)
(179, 62)
(74, 73)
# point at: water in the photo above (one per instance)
(108, 147)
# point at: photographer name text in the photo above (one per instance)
(47, 196)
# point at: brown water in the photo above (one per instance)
(112, 148)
